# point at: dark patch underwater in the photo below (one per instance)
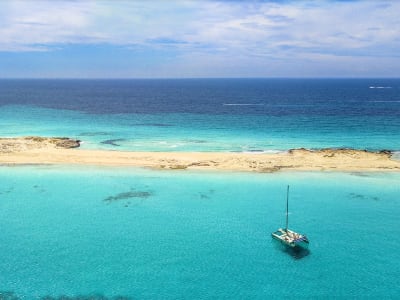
(112, 142)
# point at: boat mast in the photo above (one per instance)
(287, 208)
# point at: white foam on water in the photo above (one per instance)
(396, 155)
(264, 151)
(243, 104)
(385, 101)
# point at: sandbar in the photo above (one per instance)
(44, 150)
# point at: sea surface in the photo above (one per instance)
(244, 115)
(145, 234)
(79, 232)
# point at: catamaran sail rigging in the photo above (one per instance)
(287, 236)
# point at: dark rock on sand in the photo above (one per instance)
(66, 143)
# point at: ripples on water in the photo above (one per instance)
(153, 234)
(241, 115)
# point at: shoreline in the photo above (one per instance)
(41, 150)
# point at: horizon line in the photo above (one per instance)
(188, 78)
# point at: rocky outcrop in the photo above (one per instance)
(59, 142)
(331, 152)
(66, 143)
(9, 145)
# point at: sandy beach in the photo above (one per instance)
(39, 150)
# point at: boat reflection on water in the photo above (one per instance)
(295, 252)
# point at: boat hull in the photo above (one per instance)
(291, 239)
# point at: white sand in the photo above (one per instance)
(35, 150)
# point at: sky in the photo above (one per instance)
(192, 39)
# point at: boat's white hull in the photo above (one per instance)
(290, 238)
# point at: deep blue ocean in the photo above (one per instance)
(207, 114)
(128, 233)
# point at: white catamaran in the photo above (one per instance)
(289, 237)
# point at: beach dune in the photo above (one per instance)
(42, 150)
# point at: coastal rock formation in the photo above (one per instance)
(10, 145)
(332, 152)
(66, 143)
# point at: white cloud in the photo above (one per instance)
(237, 32)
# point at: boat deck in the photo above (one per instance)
(290, 237)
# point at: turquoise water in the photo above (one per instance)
(147, 234)
(245, 115)
(140, 234)
(203, 132)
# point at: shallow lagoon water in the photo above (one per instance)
(165, 235)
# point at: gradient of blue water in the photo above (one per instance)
(206, 115)
(197, 236)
